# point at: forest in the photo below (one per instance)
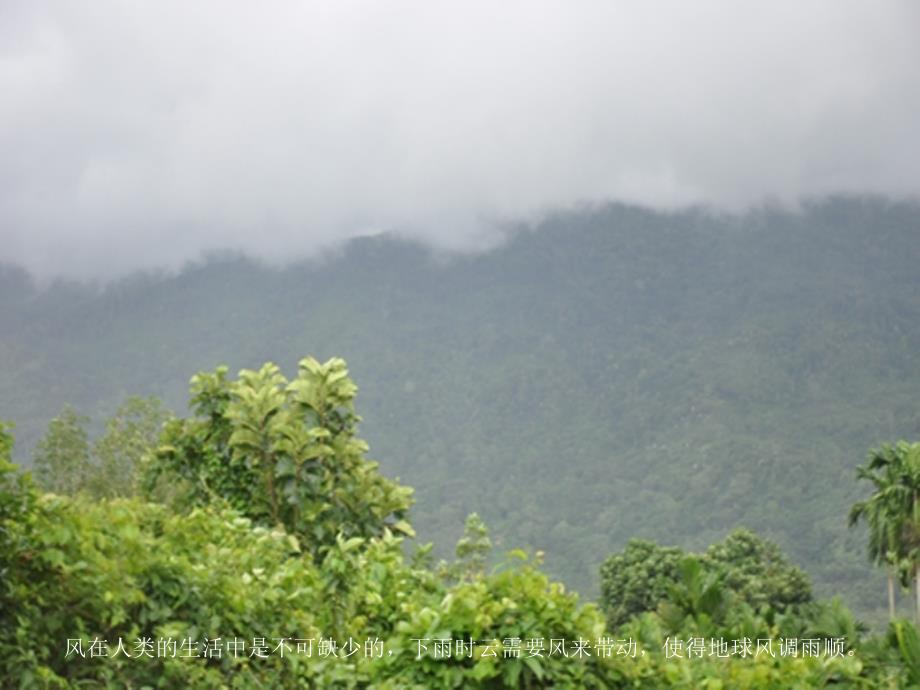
(252, 544)
(605, 374)
(638, 449)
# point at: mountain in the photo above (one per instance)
(608, 373)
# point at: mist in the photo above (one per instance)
(142, 135)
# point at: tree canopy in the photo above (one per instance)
(751, 568)
(277, 534)
(282, 453)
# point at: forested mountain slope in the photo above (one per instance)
(610, 373)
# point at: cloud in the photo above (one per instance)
(138, 134)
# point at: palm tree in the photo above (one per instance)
(893, 513)
(883, 534)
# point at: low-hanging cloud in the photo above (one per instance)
(141, 134)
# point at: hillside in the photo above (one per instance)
(610, 373)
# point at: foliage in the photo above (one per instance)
(17, 499)
(128, 570)
(282, 453)
(62, 457)
(893, 513)
(472, 549)
(132, 571)
(908, 643)
(501, 610)
(67, 463)
(6, 445)
(753, 569)
(682, 668)
(610, 373)
(637, 579)
(699, 594)
(130, 434)
(758, 572)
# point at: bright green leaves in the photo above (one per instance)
(325, 389)
(472, 549)
(908, 644)
(256, 414)
(335, 568)
(514, 603)
(403, 527)
(210, 392)
(284, 452)
(127, 569)
(6, 442)
(256, 401)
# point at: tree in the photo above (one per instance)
(472, 552)
(131, 433)
(282, 453)
(753, 569)
(884, 548)
(103, 572)
(758, 571)
(698, 592)
(65, 462)
(62, 457)
(893, 512)
(637, 579)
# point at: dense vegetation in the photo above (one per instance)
(755, 571)
(607, 375)
(265, 550)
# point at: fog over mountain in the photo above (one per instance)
(141, 135)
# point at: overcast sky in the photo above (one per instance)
(140, 134)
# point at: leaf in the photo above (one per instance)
(512, 673)
(352, 544)
(534, 667)
(404, 527)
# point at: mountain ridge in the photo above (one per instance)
(607, 373)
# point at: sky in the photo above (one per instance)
(137, 135)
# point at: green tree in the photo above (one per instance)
(758, 572)
(698, 593)
(893, 512)
(6, 443)
(282, 453)
(62, 459)
(474, 546)
(131, 433)
(472, 552)
(637, 579)
(753, 569)
(884, 545)
(74, 568)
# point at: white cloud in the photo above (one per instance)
(141, 134)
